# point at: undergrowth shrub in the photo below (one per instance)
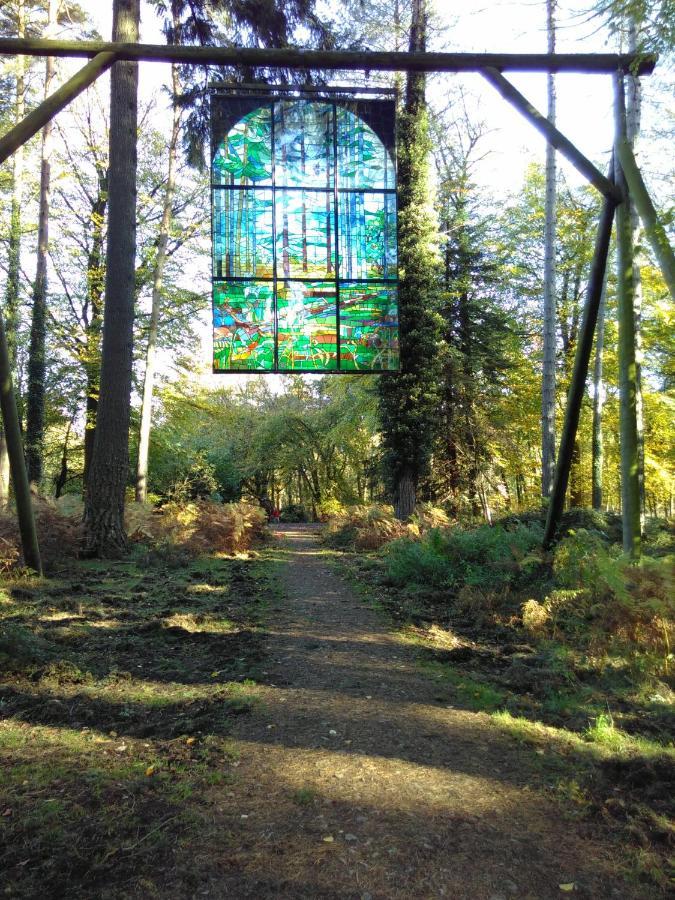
(371, 527)
(609, 604)
(487, 558)
(59, 536)
(199, 526)
(363, 527)
(293, 514)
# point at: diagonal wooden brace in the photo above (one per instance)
(654, 230)
(36, 120)
(582, 357)
(552, 135)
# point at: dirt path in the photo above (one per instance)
(358, 780)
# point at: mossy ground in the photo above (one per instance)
(121, 681)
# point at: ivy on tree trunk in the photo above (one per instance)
(409, 401)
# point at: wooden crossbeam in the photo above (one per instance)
(552, 135)
(38, 118)
(383, 61)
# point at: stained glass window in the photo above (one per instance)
(304, 235)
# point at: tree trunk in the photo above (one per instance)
(93, 322)
(630, 485)
(598, 402)
(13, 287)
(35, 400)
(160, 262)
(409, 402)
(405, 496)
(549, 342)
(633, 115)
(104, 499)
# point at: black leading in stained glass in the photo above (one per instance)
(304, 235)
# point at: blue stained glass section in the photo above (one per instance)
(367, 227)
(242, 233)
(303, 144)
(362, 159)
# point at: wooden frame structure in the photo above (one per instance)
(491, 66)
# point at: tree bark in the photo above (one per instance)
(13, 287)
(93, 321)
(628, 384)
(157, 283)
(406, 496)
(549, 345)
(104, 499)
(633, 116)
(597, 450)
(35, 400)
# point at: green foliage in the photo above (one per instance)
(295, 512)
(610, 605)
(489, 558)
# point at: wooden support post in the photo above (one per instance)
(575, 395)
(625, 289)
(46, 111)
(369, 60)
(17, 463)
(551, 133)
(654, 230)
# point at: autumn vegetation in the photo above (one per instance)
(127, 662)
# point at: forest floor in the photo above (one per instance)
(255, 727)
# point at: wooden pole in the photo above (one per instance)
(17, 463)
(38, 118)
(551, 133)
(575, 395)
(654, 230)
(384, 61)
(628, 389)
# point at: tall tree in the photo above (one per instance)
(548, 378)
(157, 285)
(35, 399)
(408, 402)
(106, 484)
(13, 286)
(597, 448)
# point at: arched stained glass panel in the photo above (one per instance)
(304, 235)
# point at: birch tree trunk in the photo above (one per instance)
(598, 403)
(548, 379)
(106, 484)
(35, 399)
(157, 283)
(12, 290)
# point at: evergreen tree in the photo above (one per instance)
(409, 400)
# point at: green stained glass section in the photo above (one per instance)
(362, 159)
(304, 232)
(242, 233)
(243, 326)
(367, 227)
(307, 325)
(368, 327)
(303, 144)
(244, 157)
